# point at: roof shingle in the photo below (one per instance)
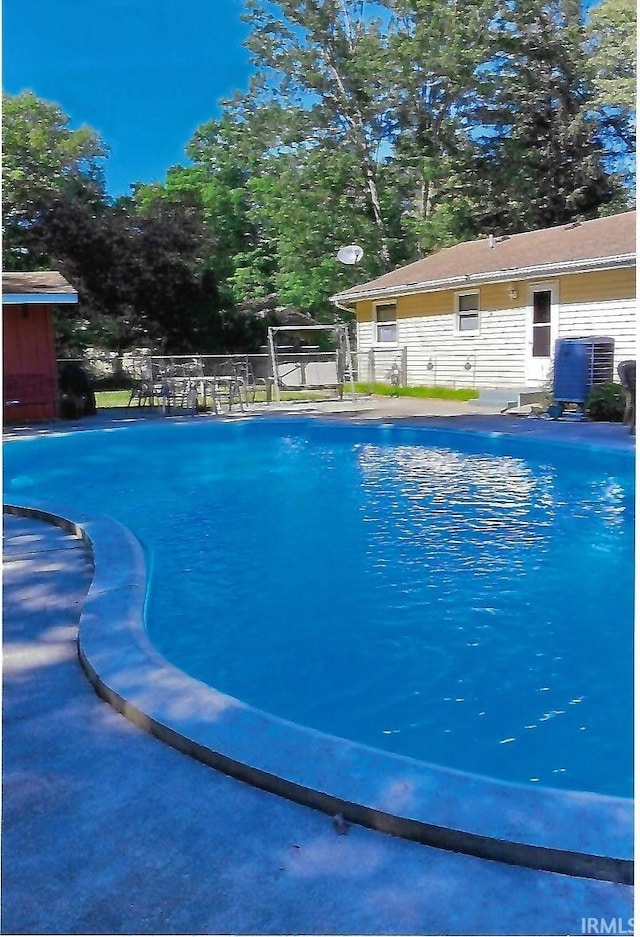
(596, 240)
(43, 281)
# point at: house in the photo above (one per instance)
(28, 346)
(487, 313)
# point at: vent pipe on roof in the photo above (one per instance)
(492, 241)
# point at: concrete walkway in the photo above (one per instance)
(108, 831)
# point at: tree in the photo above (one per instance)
(329, 60)
(611, 45)
(275, 211)
(214, 188)
(133, 270)
(541, 158)
(612, 60)
(307, 204)
(437, 52)
(43, 158)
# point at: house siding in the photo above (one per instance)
(614, 319)
(599, 303)
(619, 284)
(435, 355)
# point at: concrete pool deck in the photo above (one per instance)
(452, 414)
(206, 854)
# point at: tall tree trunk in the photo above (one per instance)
(355, 120)
(372, 189)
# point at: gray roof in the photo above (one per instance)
(581, 246)
(44, 282)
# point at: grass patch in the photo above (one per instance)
(105, 399)
(439, 393)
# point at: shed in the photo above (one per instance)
(28, 347)
(487, 313)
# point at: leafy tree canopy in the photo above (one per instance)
(134, 271)
(612, 50)
(42, 154)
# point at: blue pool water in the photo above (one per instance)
(463, 599)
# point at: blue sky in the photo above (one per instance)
(143, 73)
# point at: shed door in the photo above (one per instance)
(29, 363)
(542, 330)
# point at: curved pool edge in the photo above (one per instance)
(574, 833)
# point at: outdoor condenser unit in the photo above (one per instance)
(579, 363)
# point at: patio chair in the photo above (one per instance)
(142, 373)
(222, 382)
(248, 383)
(627, 375)
(178, 383)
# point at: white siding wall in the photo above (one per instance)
(384, 355)
(616, 319)
(365, 336)
(495, 356)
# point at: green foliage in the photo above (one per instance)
(437, 50)
(605, 403)
(41, 153)
(215, 193)
(43, 159)
(136, 268)
(306, 206)
(542, 158)
(611, 44)
(329, 62)
(612, 66)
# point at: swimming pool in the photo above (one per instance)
(465, 600)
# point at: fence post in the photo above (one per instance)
(403, 367)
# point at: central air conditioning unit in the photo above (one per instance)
(578, 364)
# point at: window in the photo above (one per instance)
(467, 312)
(541, 324)
(386, 323)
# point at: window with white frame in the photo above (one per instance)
(386, 323)
(467, 312)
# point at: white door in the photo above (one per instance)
(542, 331)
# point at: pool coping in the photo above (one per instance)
(573, 833)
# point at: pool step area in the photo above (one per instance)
(508, 398)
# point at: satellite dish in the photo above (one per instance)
(350, 254)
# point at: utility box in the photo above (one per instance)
(578, 364)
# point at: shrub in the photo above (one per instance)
(605, 402)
